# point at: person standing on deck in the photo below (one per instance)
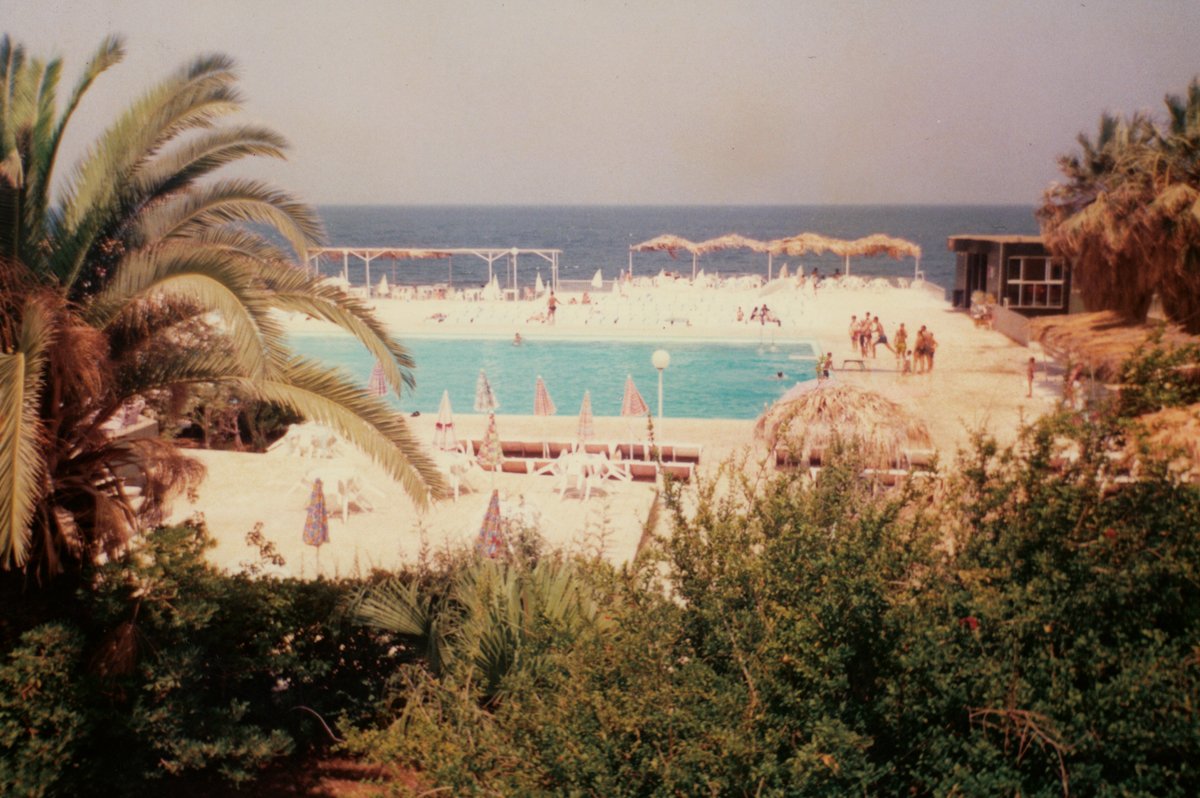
(551, 306)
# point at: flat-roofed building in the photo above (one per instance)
(1015, 270)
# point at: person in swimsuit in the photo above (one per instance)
(901, 339)
(880, 338)
(551, 306)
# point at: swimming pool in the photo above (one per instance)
(706, 379)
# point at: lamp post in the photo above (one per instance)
(661, 359)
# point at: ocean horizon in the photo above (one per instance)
(598, 237)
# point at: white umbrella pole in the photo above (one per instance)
(847, 265)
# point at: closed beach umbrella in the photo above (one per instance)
(316, 522)
(383, 286)
(485, 398)
(632, 403)
(444, 436)
(543, 405)
(490, 453)
(539, 287)
(598, 279)
(377, 385)
(491, 542)
(632, 406)
(586, 425)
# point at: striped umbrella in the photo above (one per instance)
(632, 406)
(491, 541)
(490, 454)
(444, 436)
(485, 398)
(586, 427)
(632, 403)
(543, 405)
(377, 385)
(316, 524)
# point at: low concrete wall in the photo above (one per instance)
(1011, 323)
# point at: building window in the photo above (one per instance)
(1035, 282)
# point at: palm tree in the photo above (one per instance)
(1127, 215)
(144, 274)
(496, 619)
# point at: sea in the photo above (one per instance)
(598, 238)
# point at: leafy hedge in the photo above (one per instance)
(168, 667)
(1028, 628)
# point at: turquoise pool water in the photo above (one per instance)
(706, 379)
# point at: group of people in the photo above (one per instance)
(763, 315)
(867, 333)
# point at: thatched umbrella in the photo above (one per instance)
(811, 420)
(736, 241)
(1101, 341)
(669, 244)
(878, 244)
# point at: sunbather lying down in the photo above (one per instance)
(438, 317)
(538, 317)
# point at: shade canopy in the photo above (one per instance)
(669, 244)
(814, 418)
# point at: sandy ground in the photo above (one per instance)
(978, 381)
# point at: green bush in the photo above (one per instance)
(177, 670)
(43, 717)
(1025, 628)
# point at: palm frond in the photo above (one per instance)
(22, 434)
(106, 179)
(214, 280)
(294, 291)
(204, 153)
(242, 201)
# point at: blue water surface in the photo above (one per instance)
(705, 379)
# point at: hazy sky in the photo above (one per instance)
(648, 101)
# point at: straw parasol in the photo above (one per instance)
(812, 419)
(731, 241)
(1101, 341)
(669, 244)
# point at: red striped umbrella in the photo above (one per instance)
(632, 404)
(543, 405)
(491, 541)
